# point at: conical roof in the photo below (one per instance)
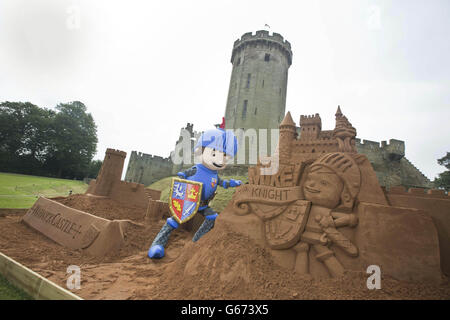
(287, 121)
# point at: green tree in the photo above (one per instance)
(443, 181)
(40, 141)
(24, 137)
(94, 168)
(74, 140)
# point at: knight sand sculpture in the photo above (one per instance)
(323, 211)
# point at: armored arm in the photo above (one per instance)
(188, 173)
(329, 225)
(229, 183)
(344, 219)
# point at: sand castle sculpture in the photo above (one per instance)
(97, 236)
(323, 211)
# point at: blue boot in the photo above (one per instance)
(156, 251)
(157, 248)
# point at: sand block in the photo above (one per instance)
(403, 242)
(75, 229)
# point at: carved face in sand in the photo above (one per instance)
(323, 187)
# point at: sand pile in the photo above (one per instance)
(225, 264)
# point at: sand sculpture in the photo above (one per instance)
(323, 211)
(97, 236)
(109, 184)
(76, 229)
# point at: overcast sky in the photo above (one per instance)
(146, 68)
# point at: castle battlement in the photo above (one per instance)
(115, 152)
(395, 148)
(306, 120)
(263, 36)
(368, 143)
(149, 157)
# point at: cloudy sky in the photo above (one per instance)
(146, 68)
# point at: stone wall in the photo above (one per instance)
(390, 164)
(146, 169)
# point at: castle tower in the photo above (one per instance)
(288, 133)
(110, 172)
(310, 127)
(344, 133)
(258, 84)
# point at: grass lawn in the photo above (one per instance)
(220, 201)
(9, 292)
(21, 191)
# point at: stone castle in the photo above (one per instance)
(257, 100)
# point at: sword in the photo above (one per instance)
(189, 209)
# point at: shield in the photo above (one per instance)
(285, 230)
(184, 199)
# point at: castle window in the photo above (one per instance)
(248, 80)
(256, 109)
(238, 61)
(263, 84)
(267, 57)
(244, 110)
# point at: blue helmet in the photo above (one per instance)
(219, 139)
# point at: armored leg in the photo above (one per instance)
(326, 256)
(207, 225)
(301, 260)
(157, 248)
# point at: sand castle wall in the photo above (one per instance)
(108, 183)
(437, 205)
(75, 229)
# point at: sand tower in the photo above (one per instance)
(110, 172)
